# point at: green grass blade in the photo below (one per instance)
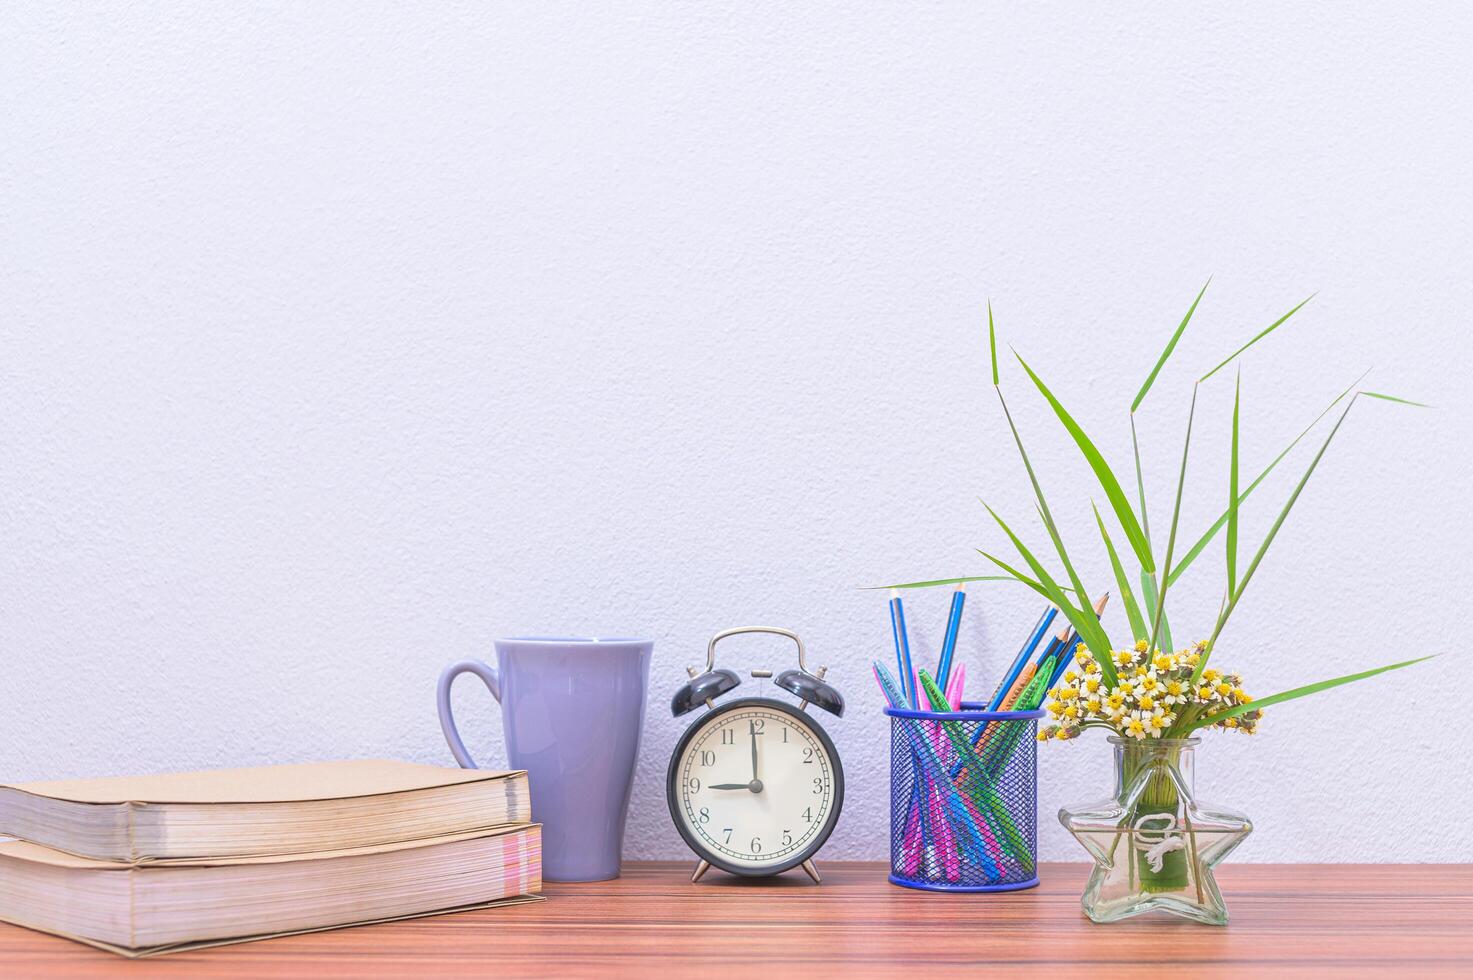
(1148, 595)
(1393, 398)
(1107, 480)
(1260, 335)
(1299, 692)
(1045, 581)
(992, 342)
(1181, 482)
(1018, 576)
(942, 581)
(1170, 346)
(1087, 626)
(1048, 517)
(1122, 581)
(1140, 482)
(1263, 548)
(1232, 524)
(1221, 521)
(1085, 608)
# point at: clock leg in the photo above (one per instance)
(808, 866)
(701, 869)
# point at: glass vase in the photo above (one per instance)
(1154, 843)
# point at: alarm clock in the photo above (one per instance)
(755, 786)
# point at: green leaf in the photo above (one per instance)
(1107, 480)
(941, 581)
(1261, 334)
(1148, 595)
(1033, 584)
(1132, 611)
(1023, 454)
(1140, 481)
(1217, 525)
(1043, 509)
(1085, 609)
(992, 341)
(1263, 548)
(1232, 527)
(1088, 628)
(1181, 482)
(1045, 580)
(1299, 692)
(1170, 346)
(1393, 398)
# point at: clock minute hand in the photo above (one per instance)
(753, 726)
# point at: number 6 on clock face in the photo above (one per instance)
(756, 787)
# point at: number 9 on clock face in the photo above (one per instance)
(756, 787)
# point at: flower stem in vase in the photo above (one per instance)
(1160, 859)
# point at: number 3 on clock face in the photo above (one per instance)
(755, 787)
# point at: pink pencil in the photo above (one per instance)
(956, 686)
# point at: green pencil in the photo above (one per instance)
(981, 791)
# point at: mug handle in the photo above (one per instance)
(486, 673)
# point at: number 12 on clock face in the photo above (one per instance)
(757, 787)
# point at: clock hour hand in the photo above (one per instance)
(727, 786)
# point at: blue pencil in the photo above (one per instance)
(1023, 655)
(1056, 644)
(1070, 644)
(927, 760)
(902, 648)
(948, 646)
(1066, 657)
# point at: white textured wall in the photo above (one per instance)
(340, 338)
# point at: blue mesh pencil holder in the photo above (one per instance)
(963, 799)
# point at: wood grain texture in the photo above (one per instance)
(1288, 920)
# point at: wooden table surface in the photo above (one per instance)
(1393, 920)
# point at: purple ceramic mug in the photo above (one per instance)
(572, 710)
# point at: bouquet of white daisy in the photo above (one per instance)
(1154, 696)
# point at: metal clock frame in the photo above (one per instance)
(803, 857)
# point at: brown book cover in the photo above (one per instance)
(262, 810)
(144, 910)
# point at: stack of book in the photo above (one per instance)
(151, 864)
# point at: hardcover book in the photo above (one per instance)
(145, 909)
(291, 809)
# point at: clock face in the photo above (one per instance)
(755, 787)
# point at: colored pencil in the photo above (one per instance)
(1066, 649)
(902, 649)
(1024, 679)
(912, 837)
(954, 805)
(948, 645)
(957, 686)
(946, 842)
(1037, 674)
(984, 792)
(1024, 655)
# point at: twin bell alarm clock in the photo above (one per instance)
(754, 785)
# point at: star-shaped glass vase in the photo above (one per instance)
(1154, 844)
